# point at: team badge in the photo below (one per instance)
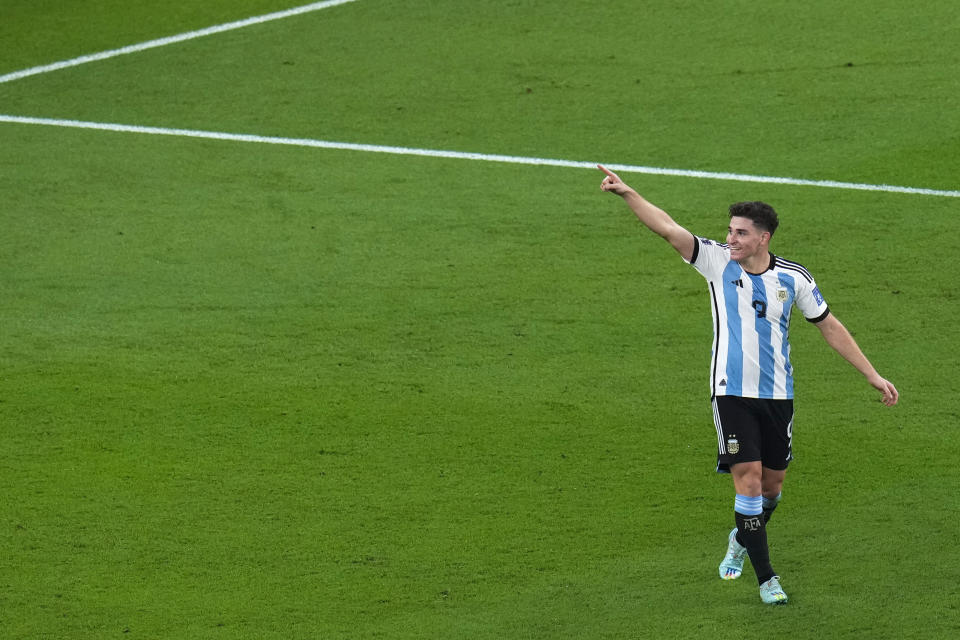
(782, 295)
(733, 446)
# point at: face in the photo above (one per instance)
(745, 240)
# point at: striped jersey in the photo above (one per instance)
(751, 321)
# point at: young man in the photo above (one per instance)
(752, 293)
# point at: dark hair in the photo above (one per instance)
(762, 214)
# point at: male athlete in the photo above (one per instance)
(752, 293)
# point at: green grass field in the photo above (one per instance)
(267, 391)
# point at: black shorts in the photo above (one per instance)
(750, 429)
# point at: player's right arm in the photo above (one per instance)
(655, 218)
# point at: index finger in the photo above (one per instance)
(608, 172)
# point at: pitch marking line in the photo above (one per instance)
(460, 155)
(162, 42)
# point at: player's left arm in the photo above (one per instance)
(843, 343)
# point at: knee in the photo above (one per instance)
(748, 479)
(750, 487)
(771, 485)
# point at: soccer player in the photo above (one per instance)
(752, 294)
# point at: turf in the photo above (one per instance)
(274, 392)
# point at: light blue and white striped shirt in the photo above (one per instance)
(751, 321)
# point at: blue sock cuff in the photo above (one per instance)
(770, 503)
(748, 505)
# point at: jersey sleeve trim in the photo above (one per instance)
(696, 249)
(821, 317)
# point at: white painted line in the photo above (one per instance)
(461, 155)
(162, 42)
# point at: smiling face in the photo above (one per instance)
(749, 245)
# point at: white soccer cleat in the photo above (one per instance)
(732, 565)
(772, 593)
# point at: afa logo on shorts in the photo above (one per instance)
(733, 446)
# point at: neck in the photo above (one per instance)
(756, 264)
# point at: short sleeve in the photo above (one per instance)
(709, 258)
(810, 301)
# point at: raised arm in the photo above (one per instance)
(843, 343)
(655, 218)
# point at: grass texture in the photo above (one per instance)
(253, 391)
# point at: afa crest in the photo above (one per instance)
(733, 446)
(782, 295)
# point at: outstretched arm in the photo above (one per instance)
(656, 219)
(843, 343)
